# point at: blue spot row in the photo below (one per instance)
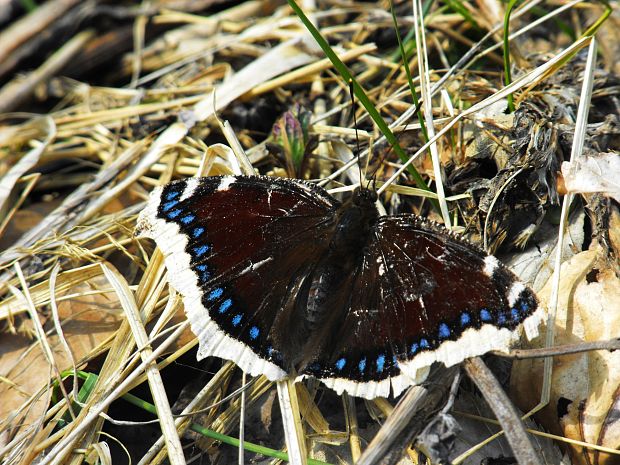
(215, 294)
(273, 353)
(224, 306)
(416, 346)
(204, 274)
(174, 213)
(380, 363)
(361, 366)
(198, 250)
(444, 331)
(276, 355)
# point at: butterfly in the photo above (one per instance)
(285, 280)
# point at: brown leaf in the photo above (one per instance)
(87, 320)
(585, 387)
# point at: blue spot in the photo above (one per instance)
(485, 315)
(174, 213)
(172, 195)
(444, 331)
(224, 306)
(273, 353)
(362, 364)
(168, 205)
(254, 332)
(340, 363)
(424, 343)
(197, 232)
(187, 219)
(394, 361)
(501, 318)
(525, 307)
(204, 272)
(515, 314)
(201, 250)
(215, 294)
(236, 319)
(380, 363)
(465, 319)
(414, 348)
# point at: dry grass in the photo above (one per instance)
(80, 292)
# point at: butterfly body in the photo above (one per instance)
(285, 280)
(330, 279)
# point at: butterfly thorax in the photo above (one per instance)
(355, 219)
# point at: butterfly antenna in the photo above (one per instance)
(357, 139)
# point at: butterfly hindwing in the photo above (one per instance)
(236, 248)
(421, 295)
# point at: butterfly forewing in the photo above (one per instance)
(237, 249)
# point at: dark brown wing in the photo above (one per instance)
(238, 248)
(421, 295)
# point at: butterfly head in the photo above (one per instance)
(363, 197)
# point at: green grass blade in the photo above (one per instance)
(248, 446)
(359, 93)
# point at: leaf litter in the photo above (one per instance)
(123, 115)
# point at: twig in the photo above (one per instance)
(408, 419)
(31, 25)
(293, 431)
(504, 410)
(567, 349)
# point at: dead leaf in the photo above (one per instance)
(594, 173)
(26, 219)
(585, 388)
(87, 320)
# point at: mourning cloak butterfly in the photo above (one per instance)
(283, 279)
